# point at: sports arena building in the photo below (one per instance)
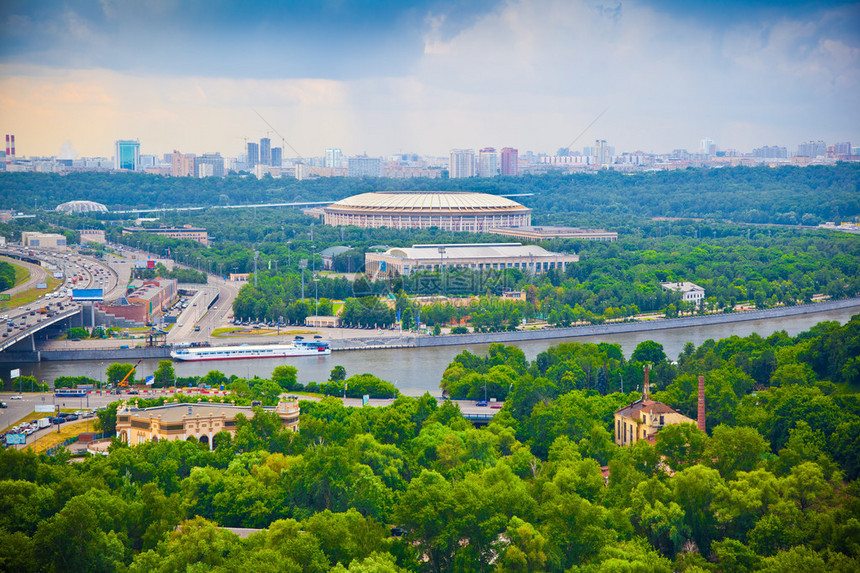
(452, 211)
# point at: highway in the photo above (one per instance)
(21, 322)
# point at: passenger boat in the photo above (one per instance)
(296, 348)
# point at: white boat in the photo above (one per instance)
(297, 348)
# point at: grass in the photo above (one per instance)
(32, 294)
(36, 415)
(67, 430)
(22, 274)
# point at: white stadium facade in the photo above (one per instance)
(452, 211)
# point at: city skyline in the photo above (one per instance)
(427, 77)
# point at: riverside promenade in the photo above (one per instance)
(357, 340)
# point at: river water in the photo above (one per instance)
(419, 370)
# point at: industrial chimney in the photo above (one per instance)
(700, 417)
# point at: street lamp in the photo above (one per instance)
(316, 295)
(442, 268)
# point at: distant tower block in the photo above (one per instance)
(700, 416)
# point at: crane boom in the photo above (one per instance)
(123, 382)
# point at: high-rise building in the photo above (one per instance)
(770, 152)
(707, 147)
(253, 155)
(812, 149)
(842, 148)
(277, 157)
(462, 163)
(210, 165)
(488, 162)
(510, 161)
(333, 157)
(266, 151)
(364, 166)
(182, 165)
(127, 155)
(602, 152)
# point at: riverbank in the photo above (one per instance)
(389, 341)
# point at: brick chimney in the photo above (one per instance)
(700, 418)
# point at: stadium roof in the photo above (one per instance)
(81, 207)
(448, 201)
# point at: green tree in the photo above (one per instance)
(648, 351)
(164, 374)
(286, 377)
(116, 372)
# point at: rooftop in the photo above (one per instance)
(649, 406)
(447, 201)
(452, 252)
(176, 412)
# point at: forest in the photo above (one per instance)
(714, 237)
(784, 195)
(770, 486)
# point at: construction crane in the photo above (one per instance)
(124, 382)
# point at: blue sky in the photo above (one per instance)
(383, 77)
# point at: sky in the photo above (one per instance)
(384, 77)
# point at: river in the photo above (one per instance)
(418, 370)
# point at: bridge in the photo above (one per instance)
(31, 330)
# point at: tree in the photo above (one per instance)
(116, 372)
(682, 445)
(164, 374)
(286, 376)
(735, 449)
(648, 351)
(338, 374)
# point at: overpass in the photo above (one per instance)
(31, 330)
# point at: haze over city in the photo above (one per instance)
(425, 77)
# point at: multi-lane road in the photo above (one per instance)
(78, 272)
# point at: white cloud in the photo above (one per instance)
(530, 74)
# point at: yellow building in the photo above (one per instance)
(643, 419)
(183, 421)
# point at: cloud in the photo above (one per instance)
(430, 76)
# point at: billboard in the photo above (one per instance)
(49, 408)
(147, 264)
(16, 439)
(5, 296)
(41, 285)
(86, 294)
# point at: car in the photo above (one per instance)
(17, 397)
(497, 405)
(299, 338)
(71, 417)
(317, 336)
(3, 405)
(196, 329)
(481, 403)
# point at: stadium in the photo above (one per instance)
(452, 211)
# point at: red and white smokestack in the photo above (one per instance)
(700, 418)
(8, 149)
(13, 146)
